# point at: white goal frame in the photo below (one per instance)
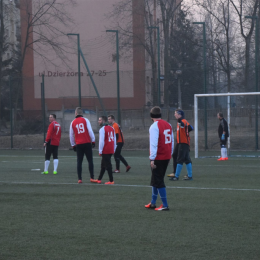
(228, 95)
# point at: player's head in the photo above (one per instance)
(78, 111)
(102, 120)
(52, 117)
(156, 113)
(111, 119)
(179, 114)
(220, 115)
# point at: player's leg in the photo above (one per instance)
(103, 168)
(152, 204)
(47, 158)
(223, 150)
(117, 158)
(174, 157)
(180, 160)
(109, 168)
(188, 163)
(55, 158)
(89, 156)
(162, 167)
(80, 156)
(122, 159)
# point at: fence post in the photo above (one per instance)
(11, 112)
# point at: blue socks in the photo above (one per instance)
(162, 192)
(178, 170)
(189, 169)
(154, 195)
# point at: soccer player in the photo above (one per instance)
(120, 142)
(82, 139)
(223, 136)
(182, 148)
(161, 148)
(51, 144)
(107, 147)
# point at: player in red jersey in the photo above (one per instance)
(51, 144)
(107, 147)
(119, 145)
(161, 149)
(82, 140)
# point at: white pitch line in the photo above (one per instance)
(124, 185)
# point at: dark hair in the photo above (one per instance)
(180, 112)
(156, 112)
(112, 116)
(104, 118)
(54, 116)
(220, 114)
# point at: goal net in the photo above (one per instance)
(241, 110)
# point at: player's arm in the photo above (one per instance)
(115, 140)
(101, 139)
(90, 131)
(72, 136)
(116, 128)
(225, 128)
(172, 143)
(181, 124)
(154, 137)
(190, 128)
(49, 133)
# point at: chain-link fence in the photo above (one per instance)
(25, 114)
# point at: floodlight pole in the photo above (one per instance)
(118, 78)
(79, 73)
(159, 62)
(256, 76)
(205, 82)
(43, 106)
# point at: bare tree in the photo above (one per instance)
(44, 24)
(169, 13)
(242, 9)
(219, 25)
(154, 13)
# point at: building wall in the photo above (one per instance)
(61, 80)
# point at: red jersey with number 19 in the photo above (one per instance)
(161, 140)
(53, 134)
(81, 131)
(107, 140)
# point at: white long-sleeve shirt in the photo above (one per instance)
(161, 140)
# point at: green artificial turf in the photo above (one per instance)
(215, 216)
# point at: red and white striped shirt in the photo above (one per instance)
(53, 134)
(107, 140)
(161, 140)
(81, 131)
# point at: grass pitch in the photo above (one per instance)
(215, 216)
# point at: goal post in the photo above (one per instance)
(228, 95)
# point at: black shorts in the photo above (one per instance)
(223, 142)
(183, 154)
(158, 173)
(51, 150)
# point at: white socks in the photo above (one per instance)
(46, 165)
(224, 152)
(55, 164)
